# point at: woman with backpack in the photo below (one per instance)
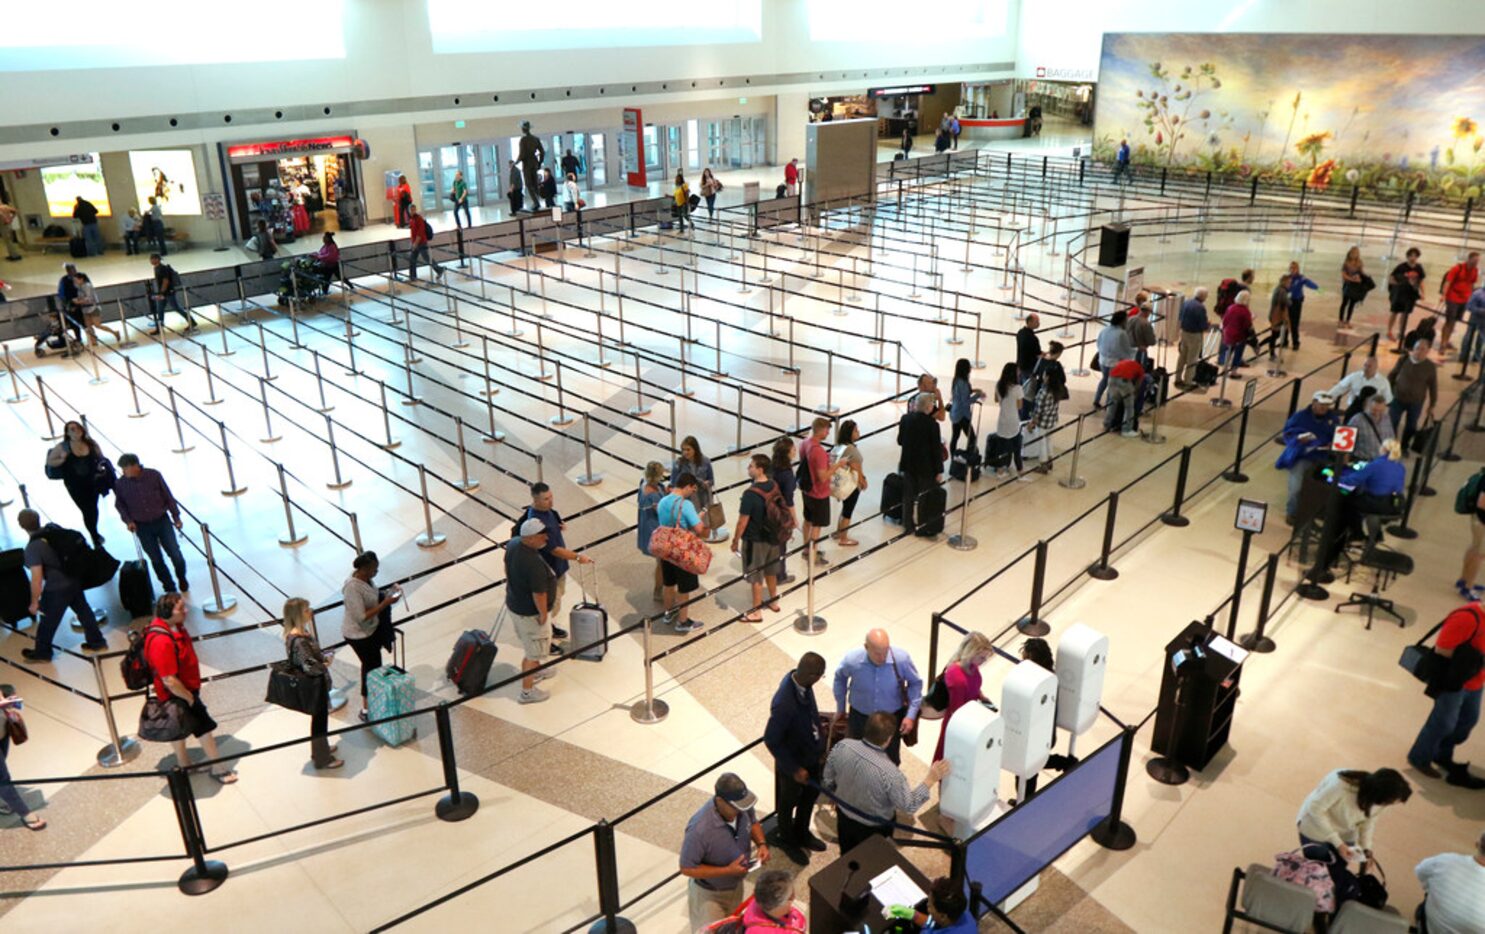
(1005, 444)
(962, 398)
(962, 680)
(650, 491)
(681, 202)
(304, 654)
(783, 475)
(77, 461)
(848, 462)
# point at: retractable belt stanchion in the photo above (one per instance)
(219, 605)
(180, 432)
(211, 385)
(52, 434)
(292, 537)
(268, 436)
(429, 538)
(588, 477)
(338, 483)
(391, 442)
(412, 398)
(233, 488)
(1256, 641)
(119, 749)
(133, 389)
(1072, 481)
(464, 483)
(15, 386)
(651, 709)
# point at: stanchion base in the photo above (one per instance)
(620, 926)
(1029, 626)
(185, 450)
(963, 542)
(1150, 437)
(827, 410)
(1253, 642)
(467, 486)
(496, 438)
(1081, 371)
(687, 393)
(140, 414)
(213, 874)
(1450, 456)
(810, 625)
(235, 491)
(1234, 476)
(1167, 771)
(653, 712)
(291, 542)
(1427, 491)
(1221, 403)
(214, 608)
(411, 400)
(1309, 590)
(1113, 836)
(448, 809)
(1174, 521)
(431, 541)
(639, 411)
(391, 445)
(111, 758)
(1102, 572)
(1072, 483)
(99, 381)
(18, 397)
(342, 484)
(562, 421)
(170, 372)
(271, 439)
(589, 479)
(1402, 531)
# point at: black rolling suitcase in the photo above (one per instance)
(965, 463)
(930, 515)
(474, 653)
(892, 497)
(78, 247)
(15, 586)
(136, 590)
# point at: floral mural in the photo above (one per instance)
(1388, 114)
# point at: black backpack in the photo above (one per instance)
(135, 668)
(804, 477)
(73, 552)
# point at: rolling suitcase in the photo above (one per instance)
(15, 586)
(136, 590)
(931, 507)
(474, 653)
(965, 463)
(78, 247)
(892, 497)
(587, 622)
(390, 691)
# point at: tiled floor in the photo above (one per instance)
(548, 771)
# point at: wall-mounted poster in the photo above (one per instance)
(1386, 113)
(83, 175)
(168, 176)
(634, 147)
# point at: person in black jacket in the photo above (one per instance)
(794, 740)
(1028, 348)
(921, 464)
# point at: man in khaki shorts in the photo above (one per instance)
(530, 590)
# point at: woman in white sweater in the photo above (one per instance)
(1343, 810)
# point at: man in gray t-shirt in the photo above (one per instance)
(53, 593)
(530, 591)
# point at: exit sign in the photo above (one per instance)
(458, 124)
(742, 100)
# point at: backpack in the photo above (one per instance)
(427, 229)
(73, 552)
(135, 668)
(778, 522)
(803, 475)
(1469, 494)
(1226, 293)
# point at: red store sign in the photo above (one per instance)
(289, 147)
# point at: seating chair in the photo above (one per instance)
(1386, 566)
(1269, 902)
(1356, 918)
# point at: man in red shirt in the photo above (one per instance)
(791, 177)
(418, 232)
(172, 658)
(816, 465)
(1461, 640)
(1459, 283)
(1126, 380)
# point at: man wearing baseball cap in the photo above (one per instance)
(530, 590)
(715, 851)
(1307, 437)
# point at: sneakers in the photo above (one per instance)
(820, 559)
(544, 674)
(99, 646)
(1129, 434)
(787, 579)
(1465, 590)
(31, 655)
(689, 625)
(558, 632)
(534, 696)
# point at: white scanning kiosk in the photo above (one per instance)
(1082, 658)
(973, 743)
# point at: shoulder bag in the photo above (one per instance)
(910, 738)
(15, 726)
(680, 547)
(1441, 673)
(293, 688)
(163, 721)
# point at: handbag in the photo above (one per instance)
(163, 721)
(910, 738)
(1299, 868)
(15, 726)
(679, 547)
(843, 482)
(1418, 444)
(716, 516)
(293, 688)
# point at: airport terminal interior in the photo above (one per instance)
(794, 465)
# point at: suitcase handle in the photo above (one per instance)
(587, 580)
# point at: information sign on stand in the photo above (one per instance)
(214, 207)
(1344, 439)
(1251, 514)
(1134, 281)
(1250, 390)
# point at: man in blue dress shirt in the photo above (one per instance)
(877, 678)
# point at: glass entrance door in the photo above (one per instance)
(597, 161)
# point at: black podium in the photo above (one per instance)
(832, 888)
(1198, 696)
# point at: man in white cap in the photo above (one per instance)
(1307, 437)
(716, 849)
(530, 589)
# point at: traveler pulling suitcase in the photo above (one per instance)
(892, 498)
(15, 586)
(389, 691)
(930, 513)
(474, 653)
(588, 621)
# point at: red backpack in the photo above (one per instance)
(778, 521)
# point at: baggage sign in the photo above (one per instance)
(214, 206)
(1345, 439)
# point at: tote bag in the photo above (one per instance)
(679, 547)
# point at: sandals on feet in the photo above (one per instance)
(752, 617)
(225, 778)
(773, 607)
(33, 822)
(332, 764)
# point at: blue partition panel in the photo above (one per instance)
(1008, 853)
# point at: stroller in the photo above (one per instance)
(312, 282)
(52, 337)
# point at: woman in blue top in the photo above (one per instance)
(695, 463)
(948, 910)
(783, 475)
(650, 492)
(962, 398)
(675, 508)
(1376, 488)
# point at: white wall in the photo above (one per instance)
(1067, 35)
